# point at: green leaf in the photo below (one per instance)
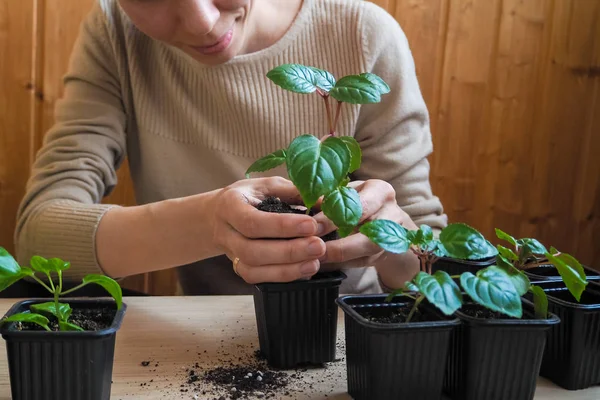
(503, 263)
(323, 79)
(355, 89)
(56, 264)
(267, 162)
(410, 286)
(377, 82)
(46, 266)
(572, 273)
(505, 236)
(439, 250)
(68, 326)
(531, 247)
(343, 207)
(39, 264)
(507, 253)
(355, 152)
(294, 77)
(344, 231)
(317, 168)
(540, 302)
(50, 308)
(28, 317)
(573, 263)
(464, 242)
(8, 265)
(493, 289)
(440, 290)
(110, 285)
(387, 234)
(422, 236)
(517, 277)
(10, 271)
(345, 181)
(520, 280)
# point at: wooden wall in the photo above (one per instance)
(513, 88)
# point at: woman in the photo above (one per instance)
(179, 87)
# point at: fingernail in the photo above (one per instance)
(306, 228)
(315, 248)
(309, 268)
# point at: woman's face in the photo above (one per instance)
(211, 31)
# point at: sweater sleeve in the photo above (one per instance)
(76, 166)
(394, 134)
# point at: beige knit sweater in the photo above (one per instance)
(187, 128)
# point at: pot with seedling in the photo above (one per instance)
(474, 262)
(59, 348)
(572, 354)
(435, 333)
(297, 321)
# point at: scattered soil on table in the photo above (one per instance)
(93, 319)
(394, 314)
(244, 374)
(275, 205)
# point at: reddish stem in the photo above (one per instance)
(328, 108)
(337, 116)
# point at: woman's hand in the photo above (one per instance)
(270, 247)
(378, 200)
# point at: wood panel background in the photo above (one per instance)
(512, 86)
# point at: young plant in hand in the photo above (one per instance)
(11, 272)
(493, 287)
(320, 167)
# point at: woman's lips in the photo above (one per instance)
(218, 47)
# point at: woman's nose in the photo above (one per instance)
(199, 16)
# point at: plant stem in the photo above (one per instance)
(414, 309)
(328, 108)
(58, 313)
(42, 283)
(60, 282)
(455, 276)
(533, 265)
(74, 289)
(337, 116)
(50, 280)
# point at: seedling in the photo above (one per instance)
(321, 167)
(11, 272)
(530, 253)
(494, 287)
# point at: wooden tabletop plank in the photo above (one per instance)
(175, 333)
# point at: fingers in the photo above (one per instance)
(349, 248)
(282, 188)
(237, 207)
(267, 252)
(277, 272)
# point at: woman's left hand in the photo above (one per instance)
(378, 200)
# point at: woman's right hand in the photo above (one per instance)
(271, 247)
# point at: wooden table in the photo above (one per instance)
(175, 333)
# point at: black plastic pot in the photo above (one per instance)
(496, 359)
(549, 272)
(297, 321)
(394, 361)
(61, 365)
(454, 266)
(572, 355)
